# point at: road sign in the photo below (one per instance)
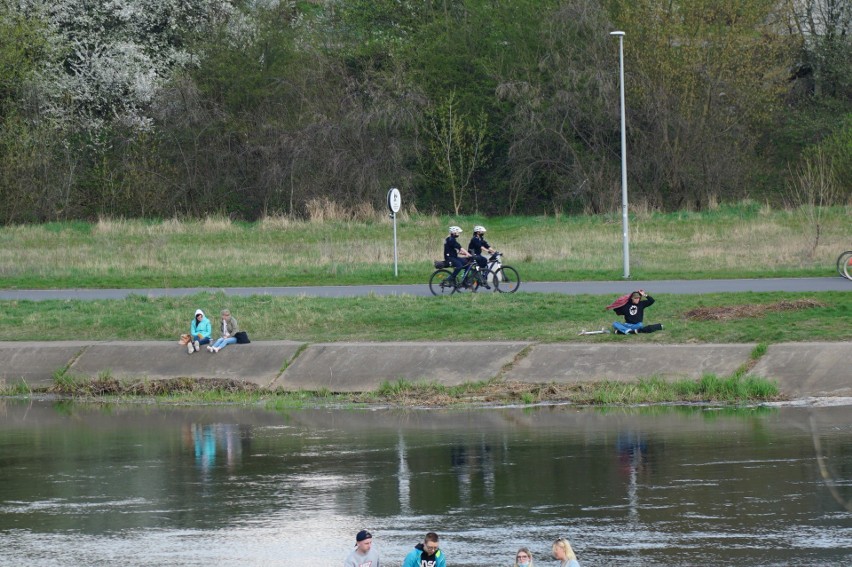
(394, 200)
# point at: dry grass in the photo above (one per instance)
(107, 386)
(346, 241)
(494, 392)
(726, 313)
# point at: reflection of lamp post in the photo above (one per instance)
(625, 237)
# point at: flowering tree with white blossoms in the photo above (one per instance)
(109, 57)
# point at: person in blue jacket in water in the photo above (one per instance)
(426, 554)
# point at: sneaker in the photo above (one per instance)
(189, 348)
(209, 348)
(216, 349)
(197, 346)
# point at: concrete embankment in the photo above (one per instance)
(801, 369)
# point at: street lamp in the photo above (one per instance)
(625, 236)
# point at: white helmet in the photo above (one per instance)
(479, 228)
(455, 230)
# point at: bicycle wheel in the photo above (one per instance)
(490, 280)
(468, 282)
(844, 265)
(507, 279)
(441, 283)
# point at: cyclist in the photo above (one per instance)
(476, 246)
(452, 251)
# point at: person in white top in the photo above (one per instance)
(363, 555)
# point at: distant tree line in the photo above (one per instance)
(157, 108)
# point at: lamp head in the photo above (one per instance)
(620, 33)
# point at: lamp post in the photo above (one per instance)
(624, 224)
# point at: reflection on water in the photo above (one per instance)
(84, 484)
(205, 439)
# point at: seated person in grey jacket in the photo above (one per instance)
(228, 327)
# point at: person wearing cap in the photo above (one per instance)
(199, 332)
(363, 555)
(476, 246)
(452, 251)
(426, 554)
(633, 311)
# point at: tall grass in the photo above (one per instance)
(403, 393)
(356, 246)
(710, 388)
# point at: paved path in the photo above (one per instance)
(793, 285)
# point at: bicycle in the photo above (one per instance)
(506, 277)
(470, 278)
(844, 265)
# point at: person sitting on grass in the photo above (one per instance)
(633, 310)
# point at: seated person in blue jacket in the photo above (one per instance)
(199, 332)
(634, 312)
(452, 251)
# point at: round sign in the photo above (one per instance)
(394, 200)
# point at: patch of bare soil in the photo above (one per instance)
(743, 311)
(493, 393)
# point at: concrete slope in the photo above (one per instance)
(808, 369)
(260, 363)
(36, 362)
(359, 367)
(627, 362)
(801, 369)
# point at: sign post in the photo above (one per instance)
(394, 201)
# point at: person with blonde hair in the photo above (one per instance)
(523, 558)
(228, 328)
(563, 553)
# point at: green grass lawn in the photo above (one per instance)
(745, 240)
(480, 317)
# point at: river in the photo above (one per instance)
(101, 484)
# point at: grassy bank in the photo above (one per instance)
(737, 389)
(710, 318)
(747, 240)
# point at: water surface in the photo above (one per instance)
(84, 484)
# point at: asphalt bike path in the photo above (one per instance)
(619, 287)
